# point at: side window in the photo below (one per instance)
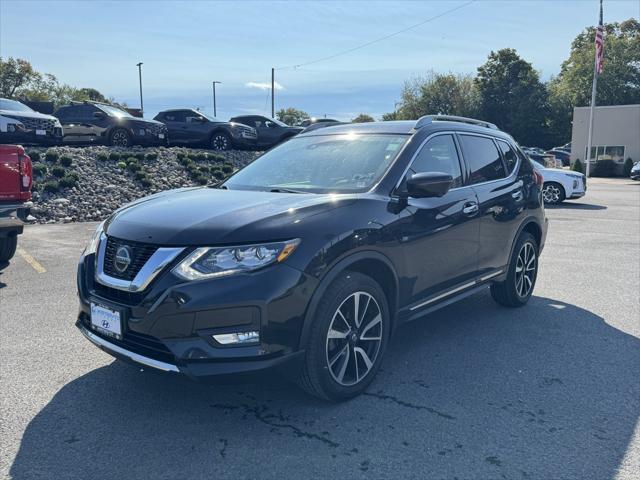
(258, 123)
(482, 158)
(63, 113)
(245, 121)
(84, 112)
(177, 116)
(439, 155)
(509, 156)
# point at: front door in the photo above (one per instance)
(440, 235)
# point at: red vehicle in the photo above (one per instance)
(16, 179)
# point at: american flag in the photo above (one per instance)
(600, 44)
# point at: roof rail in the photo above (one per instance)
(428, 119)
(84, 102)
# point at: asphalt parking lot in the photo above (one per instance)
(548, 391)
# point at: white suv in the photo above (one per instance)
(560, 185)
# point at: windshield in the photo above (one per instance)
(13, 105)
(322, 164)
(211, 118)
(114, 111)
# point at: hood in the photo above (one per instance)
(16, 114)
(209, 216)
(144, 120)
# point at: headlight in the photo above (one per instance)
(210, 262)
(575, 183)
(95, 239)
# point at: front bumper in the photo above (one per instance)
(150, 139)
(50, 137)
(170, 326)
(241, 140)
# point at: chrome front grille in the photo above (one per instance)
(140, 255)
(35, 123)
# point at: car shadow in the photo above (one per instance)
(575, 206)
(472, 391)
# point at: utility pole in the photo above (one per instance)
(273, 84)
(139, 65)
(215, 112)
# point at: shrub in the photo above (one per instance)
(204, 169)
(131, 160)
(51, 186)
(134, 166)
(145, 182)
(218, 174)
(577, 166)
(73, 175)
(193, 156)
(181, 155)
(66, 160)
(226, 168)
(58, 171)
(626, 168)
(185, 161)
(102, 156)
(114, 156)
(68, 181)
(152, 156)
(216, 157)
(39, 169)
(192, 168)
(34, 155)
(201, 179)
(122, 165)
(139, 156)
(604, 168)
(140, 175)
(51, 156)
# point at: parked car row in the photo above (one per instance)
(85, 123)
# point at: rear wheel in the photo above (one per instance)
(120, 138)
(553, 193)
(516, 290)
(8, 247)
(220, 141)
(348, 338)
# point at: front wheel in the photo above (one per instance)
(120, 138)
(522, 272)
(553, 193)
(8, 247)
(220, 141)
(348, 338)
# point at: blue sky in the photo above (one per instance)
(185, 45)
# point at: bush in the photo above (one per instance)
(226, 168)
(192, 168)
(140, 175)
(102, 156)
(134, 166)
(39, 169)
(34, 156)
(204, 169)
(131, 160)
(139, 156)
(73, 175)
(58, 172)
(145, 182)
(152, 156)
(626, 168)
(66, 160)
(122, 165)
(185, 161)
(218, 174)
(51, 186)
(181, 156)
(114, 156)
(577, 166)
(604, 168)
(51, 156)
(201, 179)
(216, 157)
(68, 181)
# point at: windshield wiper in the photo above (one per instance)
(286, 190)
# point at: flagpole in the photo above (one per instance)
(593, 99)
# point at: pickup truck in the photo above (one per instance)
(16, 179)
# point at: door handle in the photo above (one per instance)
(470, 208)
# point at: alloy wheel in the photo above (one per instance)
(551, 193)
(220, 142)
(526, 265)
(120, 139)
(354, 338)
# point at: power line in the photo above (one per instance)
(353, 49)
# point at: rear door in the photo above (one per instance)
(492, 174)
(440, 236)
(176, 126)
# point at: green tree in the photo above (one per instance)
(387, 117)
(15, 73)
(438, 93)
(291, 116)
(363, 118)
(619, 83)
(512, 97)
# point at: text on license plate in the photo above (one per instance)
(106, 320)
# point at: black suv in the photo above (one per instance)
(191, 127)
(270, 131)
(306, 260)
(21, 124)
(92, 122)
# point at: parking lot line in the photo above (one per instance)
(37, 266)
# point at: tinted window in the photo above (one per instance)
(245, 121)
(81, 111)
(439, 155)
(177, 116)
(483, 159)
(62, 112)
(509, 155)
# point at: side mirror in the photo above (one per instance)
(99, 115)
(428, 184)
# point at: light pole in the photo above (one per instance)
(139, 65)
(214, 97)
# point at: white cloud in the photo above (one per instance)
(263, 85)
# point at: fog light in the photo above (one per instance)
(237, 338)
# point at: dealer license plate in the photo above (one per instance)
(106, 321)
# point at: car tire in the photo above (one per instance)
(120, 138)
(553, 193)
(522, 273)
(220, 142)
(342, 356)
(8, 247)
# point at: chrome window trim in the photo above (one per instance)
(150, 270)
